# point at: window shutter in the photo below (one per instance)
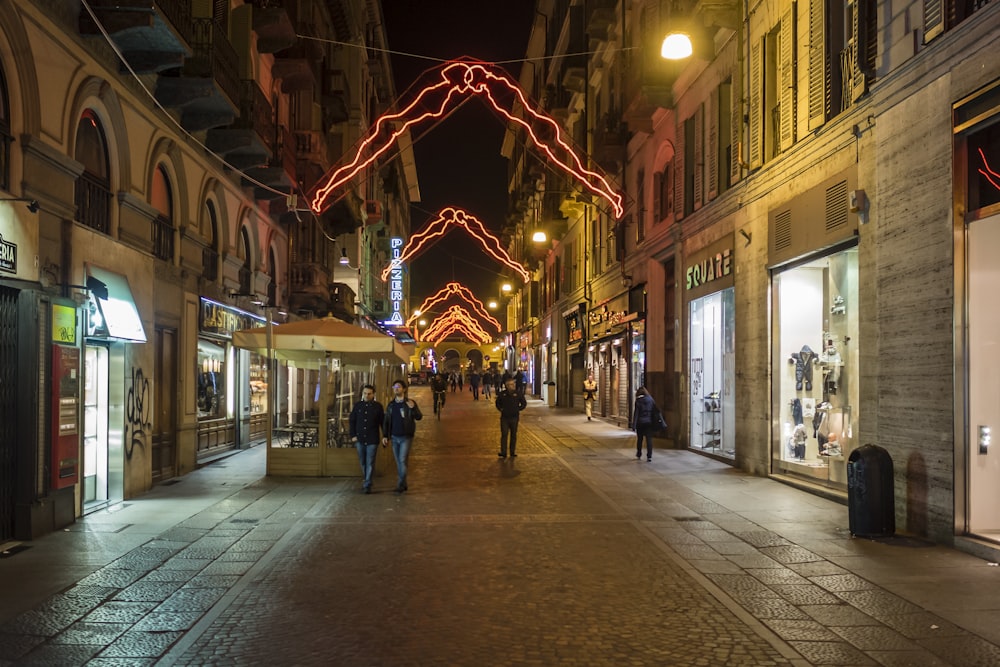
(699, 157)
(679, 171)
(735, 125)
(712, 147)
(658, 212)
(786, 79)
(817, 64)
(756, 85)
(933, 19)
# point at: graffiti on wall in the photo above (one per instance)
(138, 407)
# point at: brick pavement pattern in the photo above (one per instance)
(574, 554)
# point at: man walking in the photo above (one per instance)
(474, 378)
(399, 426)
(365, 424)
(589, 394)
(509, 402)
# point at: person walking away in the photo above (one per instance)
(487, 384)
(474, 379)
(454, 383)
(460, 381)
(509, 402)
(646, 418)
(366, 424)
(401, 415)
(589, 394)
(520, 381)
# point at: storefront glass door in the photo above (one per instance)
(984, 378)
(712, 365)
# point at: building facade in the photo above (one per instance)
(154, 168)
(802, 265)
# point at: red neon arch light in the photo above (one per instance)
(454, 288)
(455, 314)
(461, 328)
(991, 176)
(456, 217)
(457, 79)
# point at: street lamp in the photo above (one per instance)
(676, 46)
(539, 236)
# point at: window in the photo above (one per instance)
(93, 187)
(210, 254)
(243, 252)
(842, 70)
(665, 192)
(161, 198)
(942, 15)
(5, 136)
(272, 286)
(640, 213)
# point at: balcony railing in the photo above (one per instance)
(163, 238)
(256, 113)
(93, 203)
(177, 12)
(214, 57)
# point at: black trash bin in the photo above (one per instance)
(871, 500)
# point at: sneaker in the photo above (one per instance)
(638, 455)
(368, 489)
(649, 458)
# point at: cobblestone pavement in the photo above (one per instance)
(573, 553)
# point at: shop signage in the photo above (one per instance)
(711, 268)
(396, 281)
(63, 324)
(8, 256)
(574, 329)
(223, 321)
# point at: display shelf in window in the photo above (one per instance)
(711, 422)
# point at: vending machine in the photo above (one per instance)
(65, 416)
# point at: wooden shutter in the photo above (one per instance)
(712, 144)
(817, 63)
(679, 173)
(933, 19)
(735, 127)
(786, 79)
(698, 170)
(756, 127)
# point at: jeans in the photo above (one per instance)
(366, 455)
(508, 431)
(401, 450)
(644, 431)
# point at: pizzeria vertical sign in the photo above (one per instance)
(8, 256)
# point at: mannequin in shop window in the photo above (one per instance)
(831, 362)
(803, 360)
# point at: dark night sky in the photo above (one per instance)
(458, 161)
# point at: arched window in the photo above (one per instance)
(210, 255)
(5, 136)
(243, 252)
(93, 187)
(161, 198)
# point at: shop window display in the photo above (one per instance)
(713, 414)
(815, 366)
(211, 380)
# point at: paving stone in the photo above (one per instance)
(153, 591)
(188, 599)
(878, 602)
(790, 554)
(907, 659)
(112, 577)
(805, 594)
(832, 653)
(804, 630)
(838, 614)
(920, 625)
(771, 575)
(134, 644)
(842, 582)
(160, 621)
(874, 638)
(59, 655)
(762, 538)
(13, 646)
(97, 634)
(119, 612)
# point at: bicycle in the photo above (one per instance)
(438, 402)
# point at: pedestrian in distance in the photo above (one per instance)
(454, 382)
(646, 418)
(509, 402)
(520, 381)
(365, 427)
(474, 380)
(487, 384)
(439, 385)
(460, 380)
(589, 394)
(399, 427)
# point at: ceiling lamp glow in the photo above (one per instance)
(676, 46)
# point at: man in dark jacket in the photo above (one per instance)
(509, 402)
(646, 419)
(399, 426)
(366, 423)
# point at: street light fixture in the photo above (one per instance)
(676, 46)
(539, 236)
(32, 203)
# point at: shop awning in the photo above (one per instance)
(113, 312)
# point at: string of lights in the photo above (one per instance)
(462, 78)
(453, 289)
(448, 218)
(455, 314)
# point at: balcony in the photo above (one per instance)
(249, 141)
(153, 35)
(610, 136)
(297, 67)
(207, 87)
(343, 216)
(309, 288)
(280, 171)
(601, 18)
(162, 237)
(273, 26)
(93, 203)
(342, 299)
